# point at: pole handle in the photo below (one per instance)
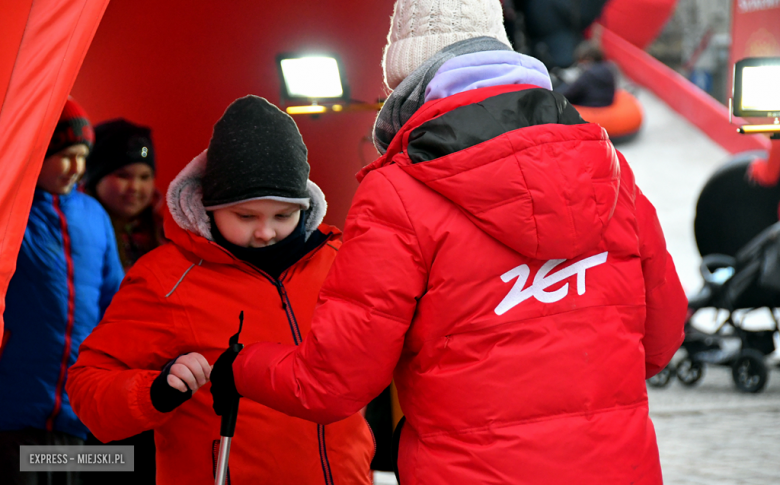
(228, 425)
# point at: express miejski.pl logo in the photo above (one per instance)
(544, 280)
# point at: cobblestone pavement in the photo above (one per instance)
(713, 434)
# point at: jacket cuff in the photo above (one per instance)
(141, 400)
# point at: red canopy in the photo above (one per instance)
(42, 47)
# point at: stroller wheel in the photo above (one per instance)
(689, 371)
(749, 371)
(663, 378)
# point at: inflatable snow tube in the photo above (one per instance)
(731, 210)
(637, 21)
(622, 119)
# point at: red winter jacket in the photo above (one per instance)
(500, 263)
(185, 297)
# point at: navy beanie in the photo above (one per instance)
(118, 143)
(256, 151)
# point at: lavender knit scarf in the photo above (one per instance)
(410, 94)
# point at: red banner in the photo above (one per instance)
(755, 30)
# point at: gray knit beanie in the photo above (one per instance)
(256, 152)
(421, 28)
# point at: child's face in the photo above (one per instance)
(61, 171)
(127, 191)
(257, 223)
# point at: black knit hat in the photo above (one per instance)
(118, 143)
(256, 152)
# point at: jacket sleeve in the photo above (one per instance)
(112, 268)
(109, 384)
(665, 299)
(364, 310)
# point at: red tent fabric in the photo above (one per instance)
(43, 45)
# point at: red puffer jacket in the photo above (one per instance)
(185, 297)
(501, 264)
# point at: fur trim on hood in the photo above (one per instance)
(185, 201)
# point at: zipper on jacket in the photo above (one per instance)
(297, 338)
(296, 334)
(324, 455)
(71, 314)
(279, 284)
(296, 331)
(373, 436)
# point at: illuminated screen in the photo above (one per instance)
(312, 77)
(761, 88)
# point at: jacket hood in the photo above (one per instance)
(519, 162)
(185, 200)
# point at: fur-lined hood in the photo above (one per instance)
(185, 201)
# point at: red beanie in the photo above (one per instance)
(72, 128)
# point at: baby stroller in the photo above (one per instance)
(748, 279)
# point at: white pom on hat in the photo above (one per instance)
(421, 28)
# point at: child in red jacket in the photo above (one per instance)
(246, 235)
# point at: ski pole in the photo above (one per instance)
(228, 426)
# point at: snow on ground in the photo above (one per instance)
(672, 160)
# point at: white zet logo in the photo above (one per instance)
(542, 281)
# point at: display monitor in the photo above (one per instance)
(757, 87)
(312, 77)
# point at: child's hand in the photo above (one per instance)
(189, 371)
(178, 380)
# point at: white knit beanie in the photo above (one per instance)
(421, 28)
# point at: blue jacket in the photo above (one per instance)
(66, 274)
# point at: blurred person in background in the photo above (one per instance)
(499, 265)
(66, 274)
(120, 174)
(595, 84)
(554, 28)
(510, 22)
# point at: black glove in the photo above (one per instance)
(223, 384)
(164, 397)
